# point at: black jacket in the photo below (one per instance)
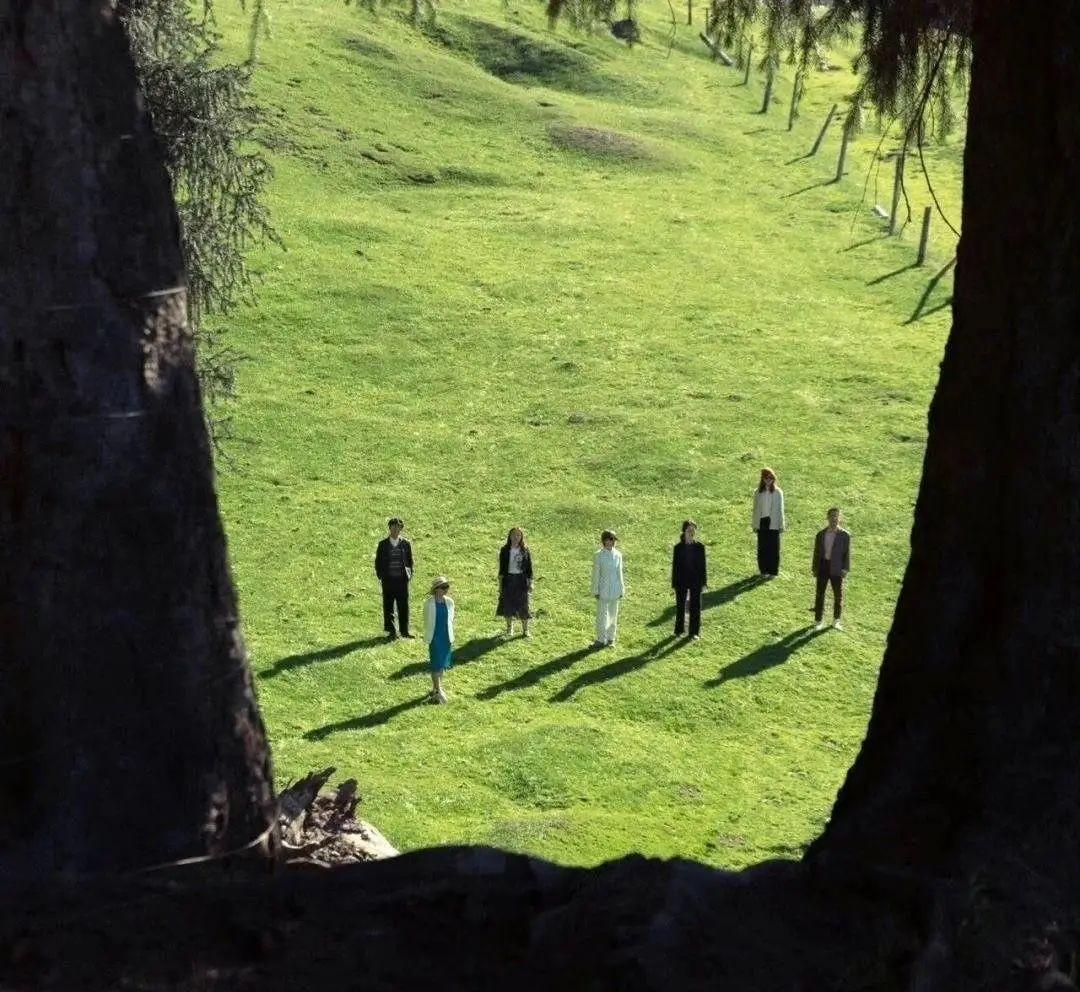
(840, 561)
(504, 562)
(382, 552)
(688, 566)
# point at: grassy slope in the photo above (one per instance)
(475, 325)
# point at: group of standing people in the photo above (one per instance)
(830, 563)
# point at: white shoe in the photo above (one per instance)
(820, 625)
(440, 696)
(838, 624)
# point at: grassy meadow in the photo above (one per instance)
(542, 278)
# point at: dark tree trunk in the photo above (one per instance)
(129, 732)
(971, 760)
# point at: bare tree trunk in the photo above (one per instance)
(972, 753)
(129, 732)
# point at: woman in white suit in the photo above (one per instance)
(607, 588)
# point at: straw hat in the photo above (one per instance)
(440, 580)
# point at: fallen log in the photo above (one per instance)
(718, 53)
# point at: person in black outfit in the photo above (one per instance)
(688, 578)
(394, 567)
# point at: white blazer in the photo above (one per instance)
(761, 509)
(607, 577)
(429, 618)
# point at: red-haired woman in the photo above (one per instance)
(768, 521)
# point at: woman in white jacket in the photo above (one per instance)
(768, 521)
(607, 588)
(439, 634)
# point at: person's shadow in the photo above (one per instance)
(534, 675)
(713, 597)
(469, 651)
(375, 719)
(767, 656)
(323, 654)
(621, 666)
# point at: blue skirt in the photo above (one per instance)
(440, 650)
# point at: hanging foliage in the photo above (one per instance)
(203, 115)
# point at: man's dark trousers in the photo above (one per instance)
(693, 593)
(395, 591)
(824, 579)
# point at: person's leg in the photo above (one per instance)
(819, 593)
(402, 598)
(772, 558)
(761, 548)
(613, 620)
(680, 610)
(695, 611)
(525, 625)
(838, 596)
(388, 608)
(601, 620)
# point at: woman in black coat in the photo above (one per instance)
(515, 581)
(688, 578)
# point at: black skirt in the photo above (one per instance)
(513, 597)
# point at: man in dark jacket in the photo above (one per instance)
(688, 578)
(830, 565)
(394, 567)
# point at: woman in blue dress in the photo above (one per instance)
(439, 633)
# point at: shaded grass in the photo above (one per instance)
(474, 327)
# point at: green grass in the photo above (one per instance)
(544, 279)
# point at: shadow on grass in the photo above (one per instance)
(806, 189)
(895, 272)
(324, 654)
(713, 597)
(376, 719)
(865, 242)
(534, 675)
(767, 656)
(920, 308)
(621, 666)
(469, 651)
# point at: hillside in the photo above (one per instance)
(546, 279)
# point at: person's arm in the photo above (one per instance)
(815, 555)
(504, 562)
(622, 584)
(704, 569)
(783, 520)
(526, 567)
(755, 520)
(379, 560)
(407, 558)
(675, 567)
(847, 556)
(595, 575)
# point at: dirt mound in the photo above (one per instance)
(600, 143)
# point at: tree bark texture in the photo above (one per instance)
(129, 731)
(970, 766)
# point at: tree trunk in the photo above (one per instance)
(970, 764)
(129, 732)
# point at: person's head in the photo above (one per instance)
(834, 516)
(396, 525)
(608, 538)
(768, 480)
(440, 587)
(689, 531)
(516, 538)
